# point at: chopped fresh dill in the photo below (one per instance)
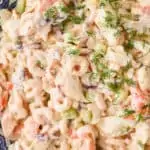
(51, 13)
(139, 117)
(129, 45)
(127, 67)
(90, 33)
(39, 64)
(111, 20)
(76, 19)
(74, 52)
(106, 2)
(80, 6)
(115, 87)
(129, 81)
(127, 112)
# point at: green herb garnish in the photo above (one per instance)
(76, 19)
(139, 117)
(97, 55)
(69, 38)
(68, 8)
(127, 67)
(132, 34)
(94, 76)
(106, 2)
(74, 52)
(111, 20)
(129, 45)
(90, 33)
(39, 64)
(65, 9)
(129, 81)
(106, 73)
(127, 112)
(51, 13)
(115, 87)
(80, 6)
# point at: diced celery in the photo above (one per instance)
(21, 4)
(90, 96)
(70, 114)
(86, 115)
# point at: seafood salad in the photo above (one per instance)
(75, 75)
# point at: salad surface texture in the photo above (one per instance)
(75, 75)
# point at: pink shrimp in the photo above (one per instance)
(137, 99)
(9, 86)
(144, 9)
(87, 135)
(17, 130)
(88, 144)
(3, 100)
(6, 85)
(72, 133)
(8, 125)
(31, 128)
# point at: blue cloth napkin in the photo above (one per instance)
(3, 145)
(7, 4)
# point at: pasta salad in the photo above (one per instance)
(75, 75)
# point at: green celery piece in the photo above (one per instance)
(21, 4)
(70, 114)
